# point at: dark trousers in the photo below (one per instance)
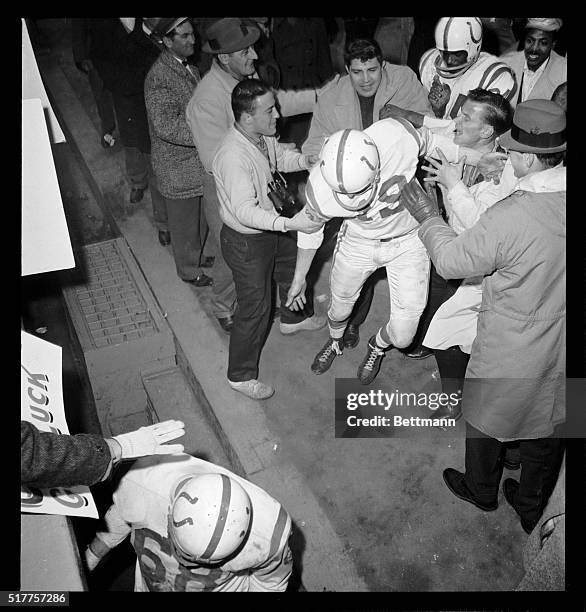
(255, 260)
(452, 364)
(540, 464)
(440, 290)
(183, 221)
(104, 102)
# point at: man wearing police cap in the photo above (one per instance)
(515, 381)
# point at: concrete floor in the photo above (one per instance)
(398, 526)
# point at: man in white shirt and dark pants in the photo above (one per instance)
(254, 238)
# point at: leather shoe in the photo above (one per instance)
(456, 484)
(226, 323)
(207, 262)
(136, 195)
(202, 280)
(351, 336)
(510, 488)
(419, 352)
(164, 237)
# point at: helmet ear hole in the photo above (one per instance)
(210, 517)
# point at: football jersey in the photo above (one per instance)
(488, 72)
(141, 504)
(399, 146)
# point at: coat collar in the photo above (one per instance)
(348, 100)
(175, 65)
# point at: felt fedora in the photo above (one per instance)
(229, 35)
(539, 126)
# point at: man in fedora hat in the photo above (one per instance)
(167, 89)
(515, 380)
(538, 68)
(209, 114)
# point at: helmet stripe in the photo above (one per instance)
(446, 32)
(222, 516)
(340, 160)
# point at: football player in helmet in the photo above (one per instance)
(359, 177)
(456, 65)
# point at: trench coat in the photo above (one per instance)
(515, 381)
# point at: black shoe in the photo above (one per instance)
(164, 237)
(419, 352)
(510, 489)
(351, 336)
(136, 195)
(200, 281)
(370, 365)
(448, 412)
(324, 359)
(226, 323)
(207, 262)
(456, 484)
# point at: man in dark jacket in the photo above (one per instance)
(50, 459)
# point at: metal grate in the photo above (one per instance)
(112, 305)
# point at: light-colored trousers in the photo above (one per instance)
(407, 266)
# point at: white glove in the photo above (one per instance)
(91, 560)
(149, 440)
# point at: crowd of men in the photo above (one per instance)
(452, 179)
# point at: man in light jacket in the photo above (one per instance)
(515, 381)
(538, 68)
(209, 114)
(256, 242)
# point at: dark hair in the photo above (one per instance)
(549, 160)
(363, 49)
(497, 112)
(244, 96)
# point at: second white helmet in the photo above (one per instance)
(209, 518)
(349, 161)
(458, 34)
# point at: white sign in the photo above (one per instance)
(45, 238)
(42, 405)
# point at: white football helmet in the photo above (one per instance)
(458, 34)
(209, 518)
(349, 164)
